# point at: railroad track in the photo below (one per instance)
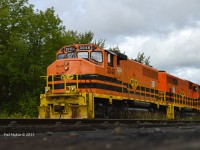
(64, 125)
(36, 121)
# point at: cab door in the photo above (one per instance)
(111, 64)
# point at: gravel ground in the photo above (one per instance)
(118, 138)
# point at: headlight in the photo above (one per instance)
(72, 88)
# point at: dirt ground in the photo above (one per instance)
(118, 138)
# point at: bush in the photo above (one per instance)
(26, 107)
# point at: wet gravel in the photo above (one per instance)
(116, 138)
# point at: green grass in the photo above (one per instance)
(4, 115)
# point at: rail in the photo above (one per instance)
(50, 126)
(35, 121)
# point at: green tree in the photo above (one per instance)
(147, 61)
(26, 40)
(141, 58)
(100, 43)
(74, 37)
(28, 43)
(115, 49)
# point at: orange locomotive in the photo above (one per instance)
(87, 81)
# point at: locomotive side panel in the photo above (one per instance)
(143, 80)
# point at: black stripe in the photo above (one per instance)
(89, 77)
(100, 86)
(56, 78)
(90, 85)
(104, 78)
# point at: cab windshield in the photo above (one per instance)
(82, 55)
(61, 56)
(96, 56)
(70, 55)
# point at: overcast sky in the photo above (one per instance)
(168, 31)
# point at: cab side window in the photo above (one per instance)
(110, 60)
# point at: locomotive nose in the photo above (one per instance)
(72, 66)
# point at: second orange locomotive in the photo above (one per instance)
(87, 81)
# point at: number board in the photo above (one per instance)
(70, 48)
(85, 47)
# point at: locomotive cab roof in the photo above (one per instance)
(70, 49)
(118, 54)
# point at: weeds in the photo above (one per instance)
(26, 107)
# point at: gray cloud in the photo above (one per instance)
(113, 18)
(116, 18)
